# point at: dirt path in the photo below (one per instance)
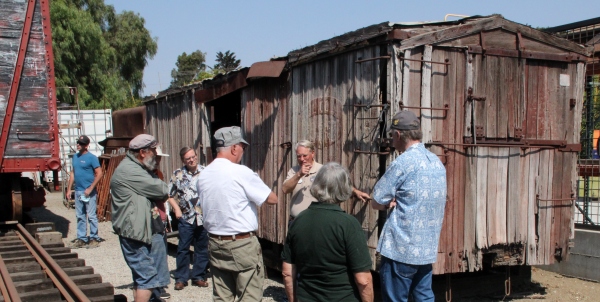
(550, 286)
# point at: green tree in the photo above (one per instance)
(226, 62)
(100, 52)
(188, 67)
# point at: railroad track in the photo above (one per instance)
(52, 272)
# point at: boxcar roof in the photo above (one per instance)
(415, 34)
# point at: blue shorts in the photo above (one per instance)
(146, 261)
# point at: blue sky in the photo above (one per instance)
(259, 30)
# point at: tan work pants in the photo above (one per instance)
(237, 269)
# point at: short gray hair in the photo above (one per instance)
(306, 144)
(221, 149)
(410, 135)
(332, 184)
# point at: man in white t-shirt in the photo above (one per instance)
(230, 195)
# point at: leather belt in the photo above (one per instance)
(232, 237)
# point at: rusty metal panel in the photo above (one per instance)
(177, 120)
(27, 92)
(269, 69)
(129, 122)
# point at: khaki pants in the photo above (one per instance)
(237, 269)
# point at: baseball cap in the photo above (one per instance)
(228, 136)
(143, 141)
(83, 140)
(160, 153)
(405, 120)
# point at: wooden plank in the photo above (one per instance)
(482, 191)
(501, 202)
(513, 194)
(470, 212)
(479, 89)
(406, 77)
(492, 196)
(522, 205)
(468, 85)
(460, 163)
(557, 102)
(448, 128)
(426, 94)
(504, 111)
(439, 97)
(470, 184)
(533, 257)
(530, 128)
(491, 93)
(452, 32)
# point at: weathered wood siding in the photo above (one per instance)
(266, 122)
(177, 120)
(499, 198)
(316, 102)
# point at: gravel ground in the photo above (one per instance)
(107, 260)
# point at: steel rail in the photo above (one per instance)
(7, 287)
(68, 289)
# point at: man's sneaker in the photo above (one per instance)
(164, 294)
(93, 244)
(77, 244)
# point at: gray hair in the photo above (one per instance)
(306, 144)
(410, 135)
(332, 184)
(221, 149)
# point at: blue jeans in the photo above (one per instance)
(398, 280)
(148, 262)
(187, 234)
(85, 211)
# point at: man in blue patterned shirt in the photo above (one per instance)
(190, 224)
(414, 188)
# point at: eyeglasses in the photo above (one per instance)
(190, 158)
(244, 146)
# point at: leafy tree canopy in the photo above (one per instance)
(100, 52)
(188, 68)
(226, 62)
(192, 67)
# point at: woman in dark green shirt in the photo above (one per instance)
(325, 257)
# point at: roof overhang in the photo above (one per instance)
(269, 69)
(221, 86)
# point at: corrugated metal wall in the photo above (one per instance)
(177, 120)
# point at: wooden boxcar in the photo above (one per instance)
(29, 138)
(499, 102)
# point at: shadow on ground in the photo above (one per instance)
(42, 214)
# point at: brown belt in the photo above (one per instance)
(232, 237)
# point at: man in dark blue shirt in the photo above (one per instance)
(85, 175)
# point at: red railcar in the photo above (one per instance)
(28, 118)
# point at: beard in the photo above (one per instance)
(149, 162)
